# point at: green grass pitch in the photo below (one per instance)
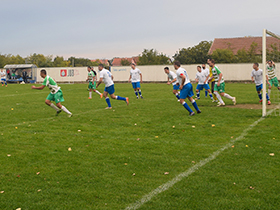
(122, 154)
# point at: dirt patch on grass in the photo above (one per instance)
(253, 106)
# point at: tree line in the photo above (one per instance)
(197, 54)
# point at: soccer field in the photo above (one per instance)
(122, 155)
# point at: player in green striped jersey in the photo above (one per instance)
(92, 83)
(55, 94)
(219, 84)
(271, 74)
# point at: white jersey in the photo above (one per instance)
(3, 74)
(135, 75)
(172, 76)
(257, 76)
(206, 70)
(181, 71)
(201, 76)
(107, 77)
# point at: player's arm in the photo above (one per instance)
(112, 77)
(220, 78)
(99, 82)
(253, 80)
(141, 81)
(266, 76)
(207, 78)
(183, 80)
(129, 78)
(38, 88)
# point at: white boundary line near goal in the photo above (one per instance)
(191, 170)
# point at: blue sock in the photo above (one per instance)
(178, 96)
(136, 93)
(206, 92)
(195, 105)
(187, 107)
(197, 94)
(260, 96)
(5, 83)
(140, 92)
(211, 96)
(121, 98)
(108, 102)
(267, 98)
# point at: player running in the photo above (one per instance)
(92, 83)
(185, 87)
(271, 74)
(212, 82)
(107, 78)
(136, 79)
(55, 94)
(207, 73)
(202, 79)
(219, 84)
(173, 77)
(3, 77)
(257, 77)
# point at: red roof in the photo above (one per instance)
(236, 44)
(103, 61)
(117, 61)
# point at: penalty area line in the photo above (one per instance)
(146, 198)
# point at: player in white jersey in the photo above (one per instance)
(219, 84)
(173, 80)
(271, 74)
(3, 77)
(186, 88)
(257, 77)
(201, 78)
(136, 79)
(107, 78)
(92, 83)
(206, 70)
(55, 94)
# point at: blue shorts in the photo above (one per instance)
(259, 87)
(176, 87)
(200, 87)
(187, 91)
(110, 89)
(135, 85)
(3, 79)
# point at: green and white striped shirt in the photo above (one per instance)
(270, 72)
(216, 71)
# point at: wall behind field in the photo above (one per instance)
(231, 72)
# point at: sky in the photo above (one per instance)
(124, 28)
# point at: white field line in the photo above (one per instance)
(191, 170)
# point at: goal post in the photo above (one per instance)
(264, 65)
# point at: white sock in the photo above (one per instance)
(228, 96)
(63, 108)
(90, 94)
(54, 107)
(97, 92)
(219, 97)
(268, 92)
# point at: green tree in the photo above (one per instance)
(194, 55)
(274, 54)
(40, 60)
(223, 56)
(152, 57)
(60, 62)
(125, 62)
